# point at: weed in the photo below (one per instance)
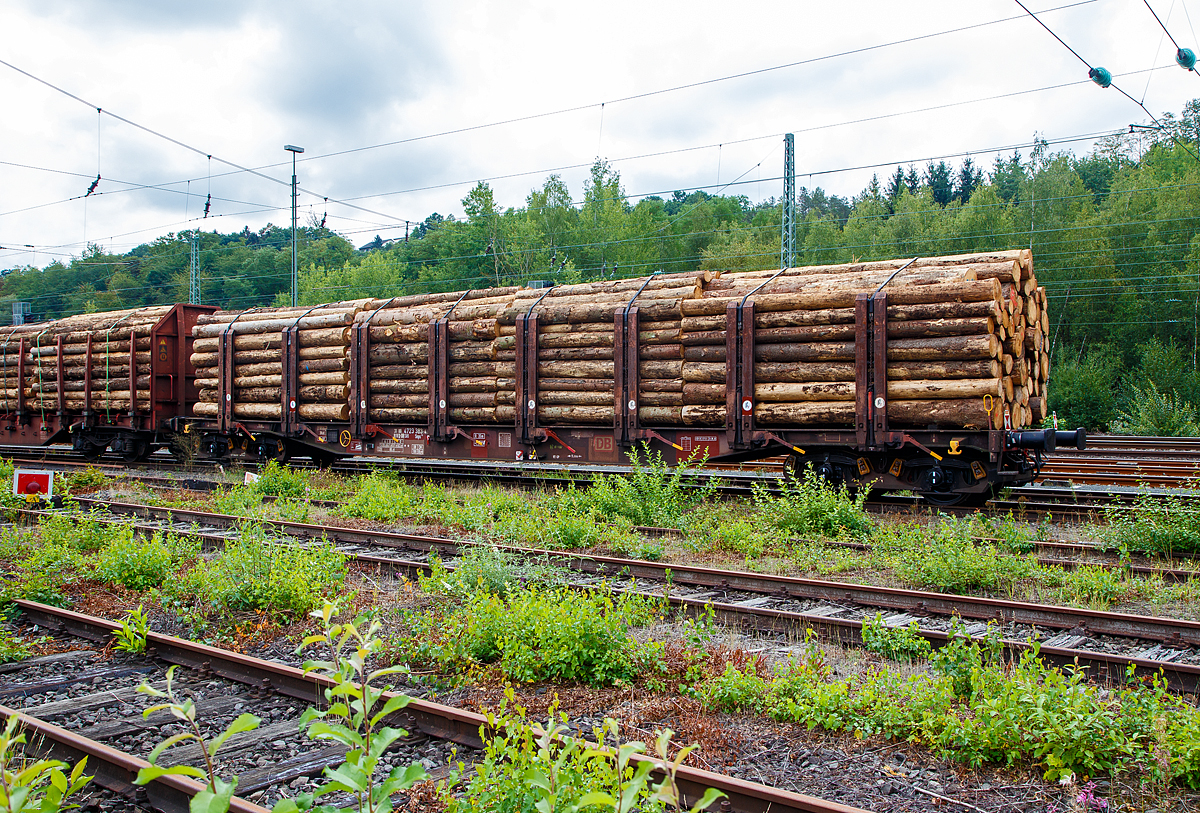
(1161, 526)
(811, 506)
(356, 708)
(531, 634)
(280, 481)
(948, 559)
(13, 648)
(133, 633)
(216, 796)
(1093, 585)
(86, 533)
(34, 786)
(138, 564)
(487, 570)
(653, 493)
(542, 769)
(896, 643)
(250, 574)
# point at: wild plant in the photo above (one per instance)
(134, 632)
(34, 785)
(217, 792)
(354, 718)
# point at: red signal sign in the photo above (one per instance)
(33, 483)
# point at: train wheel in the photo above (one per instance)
(91, 452)
(135, 451)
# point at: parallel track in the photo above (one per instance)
(432, 719)
(784, 603)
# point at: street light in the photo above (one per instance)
(295, 283)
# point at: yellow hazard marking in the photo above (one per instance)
(895, 468)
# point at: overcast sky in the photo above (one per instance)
(457, 92)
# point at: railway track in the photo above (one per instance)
(1105, 642)
(80, 713)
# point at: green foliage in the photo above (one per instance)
(1084, 391)
(653, 493)
(948, 559)
(530, 634)
(133, 633)
(281, 481)
(218, 792)
(1161, 414)
(250, 574)
(811, 506)
(138, 564)
(86, 533)
(973, 708)
(1160, 526)
(545, 771)
(34, 785)
(896, 643)
(487, 570)
(12, 647)
(356, 710)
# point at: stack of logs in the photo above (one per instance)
(960, 329)
(108, 335)
(257, 335)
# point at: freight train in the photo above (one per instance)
(923, 375)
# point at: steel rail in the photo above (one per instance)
(436, 720)
(114, 770)
(1170, 631)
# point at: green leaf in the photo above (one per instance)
(147, 775)
(244, 722)
(208, 802)
(167, 743)
(597, 798)
(394, 704)
(710, 795)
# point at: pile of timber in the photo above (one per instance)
(964, 333)
(108, 335)
(257, 336)
(399, 355)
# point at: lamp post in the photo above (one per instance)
(295, 282)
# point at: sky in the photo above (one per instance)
(402, 107)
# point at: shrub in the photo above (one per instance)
(653, 493)
(81, 532)
(949, 560)
(250, 574)
(1083, 391)
(281, 481)
(381, 497)
(1162, 526)
(138, 564)
(811, 506)
(896, 643)
(1162, 414)
(531, 634)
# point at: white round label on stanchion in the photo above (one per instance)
(228, 397)
(442, 404)
(364, 405)
(532, 403)
(747, 405)
(879, 402)
(633, 404)
(292, 404)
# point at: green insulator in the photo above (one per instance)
(1186, 58)
(1100, 76)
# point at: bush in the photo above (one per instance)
(381, 497)
(653, 493)
(81, 532)
(811, 506)
(1160, 414)
(949, 560)
(1083, 391)
(138, 564)
(1161, 526)
(895, 643)
(250, 574)
(281, 481)
(531, 634)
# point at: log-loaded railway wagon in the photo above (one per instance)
(99, 381)
(927, 375)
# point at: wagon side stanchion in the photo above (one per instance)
(626, 357)
(526, 428)
(360, 373)
(440, 429)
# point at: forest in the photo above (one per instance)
(1115, 236)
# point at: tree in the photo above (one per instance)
(937, 178)
(969, 179)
